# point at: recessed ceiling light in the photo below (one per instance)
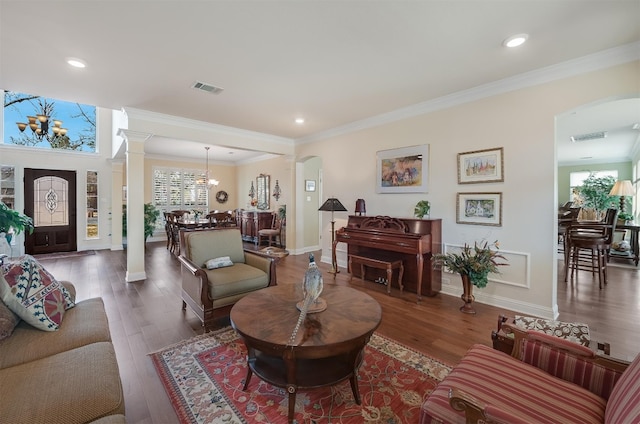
(76, 63)
(515, 40)
(299, 121)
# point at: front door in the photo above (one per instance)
(50, 198)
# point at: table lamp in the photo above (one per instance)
(622, 188)
(332, 204)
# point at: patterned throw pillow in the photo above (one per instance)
(33, 293)
(574, 331)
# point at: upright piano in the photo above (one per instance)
(412, 240)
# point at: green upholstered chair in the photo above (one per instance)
(208, 291)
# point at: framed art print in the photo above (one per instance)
(403, 170)
(309, 185)
(479, 209)
(480, 166)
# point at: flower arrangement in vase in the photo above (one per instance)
(474, 265)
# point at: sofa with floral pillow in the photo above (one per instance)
(57, 361)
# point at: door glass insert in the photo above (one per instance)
(51, 201)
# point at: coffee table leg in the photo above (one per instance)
(292, 401)
(354, 388)
(250, 357)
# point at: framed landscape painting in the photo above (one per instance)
(403, 170)
(479, 209)
(480, 166)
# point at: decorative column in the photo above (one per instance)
(135, 203)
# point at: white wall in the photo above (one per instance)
(522, 122)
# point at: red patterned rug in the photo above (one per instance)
(204, 376)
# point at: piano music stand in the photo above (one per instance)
(332, 204)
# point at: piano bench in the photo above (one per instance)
(380, 262)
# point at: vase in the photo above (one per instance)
(467, 295)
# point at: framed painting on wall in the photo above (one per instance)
(479, 208)
(480, 166)
(309, 185)
(403, 170)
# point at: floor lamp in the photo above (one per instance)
(333, 205)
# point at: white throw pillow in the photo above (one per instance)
(220, 262)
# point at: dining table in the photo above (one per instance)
(192, 223)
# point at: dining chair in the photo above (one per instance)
(271, 233)
(589, 245)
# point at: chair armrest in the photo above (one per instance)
(264, 262)
(195, 276)
(474, 409)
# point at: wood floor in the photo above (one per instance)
(146, 316)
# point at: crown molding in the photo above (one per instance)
(601, 60)
(193, 124)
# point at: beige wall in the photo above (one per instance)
(522, 122)
(279, 168)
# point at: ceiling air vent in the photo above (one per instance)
(590, 136)
(207, 87)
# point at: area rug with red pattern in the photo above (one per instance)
(204, 376)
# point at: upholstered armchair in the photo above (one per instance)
(234, 272)
(546, 379)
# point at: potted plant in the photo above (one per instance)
(282, 213)
(422, 209)
(13, 220)
(151, 215)
(474, 265)
(594, 192)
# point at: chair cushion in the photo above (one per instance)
(76, 386)
(84, 324)
(236, 279)
(574, 331)
(512, 388)
(624, 402)
(206, 244)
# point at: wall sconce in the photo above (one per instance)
(252, 191)
(276, 191)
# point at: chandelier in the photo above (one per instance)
(42, 131)
(204, 179)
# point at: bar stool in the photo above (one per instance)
(594, 238)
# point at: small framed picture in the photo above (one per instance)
(309, 185)
(479, 209)
(480, 166)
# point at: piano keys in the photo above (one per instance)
(412, 240)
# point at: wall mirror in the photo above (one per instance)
(262, 191)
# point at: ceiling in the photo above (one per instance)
(331, 63)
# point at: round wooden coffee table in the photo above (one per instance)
(327, 351)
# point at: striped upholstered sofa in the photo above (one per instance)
(546, 379)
